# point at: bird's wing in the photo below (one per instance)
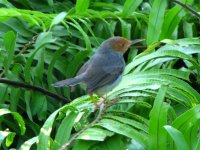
(83, 68)
(107, 72)
(109, 78)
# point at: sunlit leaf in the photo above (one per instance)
(178, 137)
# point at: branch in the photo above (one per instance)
(187, 7)
(34, 88)
(27, 45)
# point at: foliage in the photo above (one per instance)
(156, 106)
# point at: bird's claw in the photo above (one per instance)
(101, 101)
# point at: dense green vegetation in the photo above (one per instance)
(157, 104)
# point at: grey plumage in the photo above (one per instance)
(103, 71)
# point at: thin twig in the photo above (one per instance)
(34, 88)
(188, 8)
(27, 45)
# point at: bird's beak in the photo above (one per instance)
(136, 41)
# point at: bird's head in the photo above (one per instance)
(120, 44)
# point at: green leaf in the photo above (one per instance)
(130, 122)
(172, 19)
(43, 38)
(9, 42)
(39, 70)
(27, 144)
(6, 135)
(85, 22)
(27, 97)
(130, 6)
(83, 145)
(115, 142)
(64, 130)
(188, 29)
(17, 117)
(160, 54)
(190, 116)
(129, 114)
(110, 6)
(82, 6)
(51, 66)
(96, 134)
(38, 104)
(6, 3)
(19, 27)
(158, 118)
(191, 134)
(156, 19)
(134, 101)
(76, 25)
(126, 29)
(198, 144)
(10, 138)
(144, 81)
(192, 49)
(188, 124)
(189, 41)
(59, 18)
(123, 129)
(178, 137)
(171, 72)
(27, 68)
(50, 2)
(44, 136)
(14, 98)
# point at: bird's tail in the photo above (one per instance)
(68, 82)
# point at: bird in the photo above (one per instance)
(103, 71)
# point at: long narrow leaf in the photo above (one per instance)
(172, 19)
(178, 137)
(64, 130)
(130, 6)
(96, 134)
(17, 117)
(9, 41)
(44, 136)
(27, 144)
(161, 54)
(158, 118)
(82, 6)
(123, 129)
(156, 19)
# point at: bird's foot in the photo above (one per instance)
(101, 101)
